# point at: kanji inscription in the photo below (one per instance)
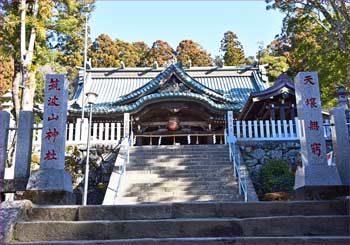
(54, 128)
(314, 170)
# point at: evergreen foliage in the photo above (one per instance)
(234, 54)
(275, 176)
(315, 37)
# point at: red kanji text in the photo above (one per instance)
(308, 80)
(53, 101)
(316, 149)
(51, 134)
(311, 102)
(54, 84)
(313, 125)
(52, 117)
(50, 155)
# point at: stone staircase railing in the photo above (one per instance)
(240, 174)
(118, 172)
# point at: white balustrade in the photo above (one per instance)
(111, 133)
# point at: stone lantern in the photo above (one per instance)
(342, 96)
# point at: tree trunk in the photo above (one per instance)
(28, 91)
(15, 90)
(27, 72)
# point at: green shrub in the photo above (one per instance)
(275, 176)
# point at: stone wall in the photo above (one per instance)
(102, 158)
(101, 165)
(256, 154)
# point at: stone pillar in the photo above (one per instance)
(23, 149)
(341, 143)
(51, 183)
(315, 171)
(4, 125)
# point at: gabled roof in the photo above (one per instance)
(125, 90)
(283, 85)
(173, 69)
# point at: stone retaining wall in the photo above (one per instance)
(256, 154)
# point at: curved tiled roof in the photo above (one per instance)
(124, 90)
(104, 108)
(172, 69)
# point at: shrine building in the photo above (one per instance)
(183, 105)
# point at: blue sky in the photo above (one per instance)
(202, 21)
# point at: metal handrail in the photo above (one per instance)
(116, 176)
(125, 146)
(242, 179)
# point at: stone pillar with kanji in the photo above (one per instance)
(315, 171)
(51, 178)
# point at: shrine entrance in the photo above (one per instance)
(178, 122)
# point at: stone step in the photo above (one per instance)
(197, 154)
(170, 163)
(162, 198)
(218, 184)
(179, 159)
(182, 173)
(176, 193)
(178, 147)
(171, 199)
(154, 178)
(179, 228)
(187, 210)
(173, 188)
(213, 240)
(166, 167)
(186, 151)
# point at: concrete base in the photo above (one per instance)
(316, 175)
(322, 192)
(50, 197)
(50, 180)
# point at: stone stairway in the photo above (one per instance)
(178, 173)
(312, 222)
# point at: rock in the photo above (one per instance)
(248, 149)
(292, 152)
(10, 211)
(251, 162)
(258, 153)
(275, 154)
(278, 196)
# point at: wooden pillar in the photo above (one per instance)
(138, 140)
(210, 140)
(282, 112)
(272, 112)
(292, 111)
